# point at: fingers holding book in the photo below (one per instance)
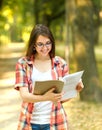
(52, 96)
(79, 86)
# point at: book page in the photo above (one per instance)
(68, 85)
(71, 82)
(69, 95)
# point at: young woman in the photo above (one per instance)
(41, 112)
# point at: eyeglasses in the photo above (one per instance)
(41, 45)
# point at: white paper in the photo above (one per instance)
(71, 82)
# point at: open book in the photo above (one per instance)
(67, 84)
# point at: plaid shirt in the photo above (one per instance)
(24, 68)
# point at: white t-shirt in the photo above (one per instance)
(42, 110)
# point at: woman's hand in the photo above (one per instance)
(54, 97)
(48, 96)
(66, 100)
(79, 86)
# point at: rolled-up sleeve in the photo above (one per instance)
(20, 76)
(65, 70)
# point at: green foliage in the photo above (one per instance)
(46, 11)
(18, 16)
(97, 3)
(14, 17)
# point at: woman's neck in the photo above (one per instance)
(43, 64)
(37, 57)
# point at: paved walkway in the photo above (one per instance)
(9, 98)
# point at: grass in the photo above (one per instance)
(84, 115)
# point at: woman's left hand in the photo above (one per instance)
(79, 86)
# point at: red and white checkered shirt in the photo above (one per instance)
(24, 69)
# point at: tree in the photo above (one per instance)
(15, 18)
(1, 1)
(46, 11)
(81, 16)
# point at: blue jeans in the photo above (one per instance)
(40, 127)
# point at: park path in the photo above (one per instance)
(9, 98)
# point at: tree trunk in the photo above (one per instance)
(83, 43)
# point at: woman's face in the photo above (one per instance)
(43, 46)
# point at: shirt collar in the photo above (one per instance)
(30, 61)
(55, 62)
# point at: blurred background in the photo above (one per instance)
(77, 28)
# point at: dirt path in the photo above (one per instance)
(9, 98)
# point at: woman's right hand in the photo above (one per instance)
(48, 96)
(54, 97)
